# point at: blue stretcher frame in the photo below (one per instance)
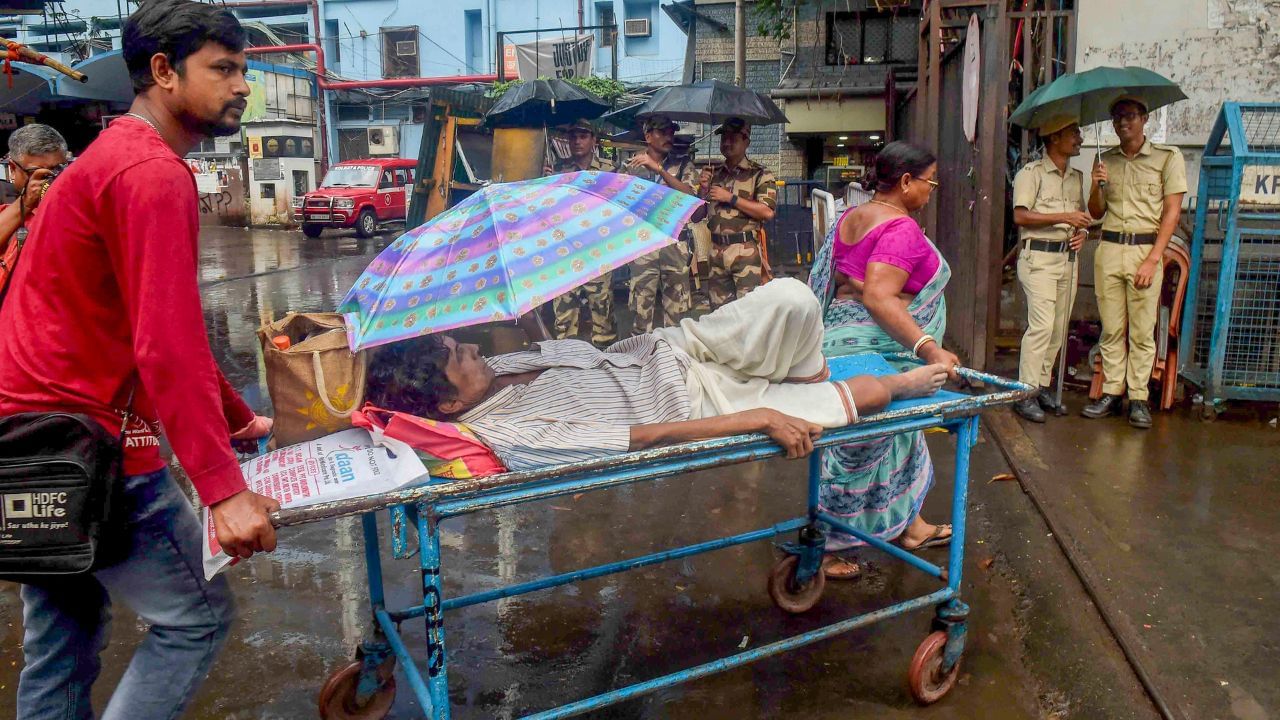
(424, 506)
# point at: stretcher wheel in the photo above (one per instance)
(925, 678)
(338, 695)
(783, 590)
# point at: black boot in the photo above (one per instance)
(1030, 410)
(1103, 406)
(1048, 400)
(1139, 414)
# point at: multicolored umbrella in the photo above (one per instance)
(507, 249)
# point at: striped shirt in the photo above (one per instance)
(583, 404)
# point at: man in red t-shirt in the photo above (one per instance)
(103, 317)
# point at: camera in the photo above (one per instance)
(54, 172)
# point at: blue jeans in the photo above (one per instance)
(66, 621)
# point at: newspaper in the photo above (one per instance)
(343, 465)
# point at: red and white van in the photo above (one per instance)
(362, 194)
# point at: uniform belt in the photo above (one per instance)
(1047, 246)
(732, 238)
(1125, 238)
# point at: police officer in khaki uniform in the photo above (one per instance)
(660, 293)
(1137, 192)
(743, 196)
(1049, 210)
(595, 296)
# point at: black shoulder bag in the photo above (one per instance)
(59, 476)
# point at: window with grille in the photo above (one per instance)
(400, 52)
(605, 16)
(872, 38)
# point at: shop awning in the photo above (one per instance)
(32, 85)
(108, 80)
(835, 115)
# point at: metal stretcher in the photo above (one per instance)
(366, 688)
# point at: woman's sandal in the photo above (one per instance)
(838, 568)
(936, 539)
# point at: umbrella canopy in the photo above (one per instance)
(507, 249)
(712, 102)
(539, 103)
(1089, 95)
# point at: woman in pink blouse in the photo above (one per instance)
(885, 280)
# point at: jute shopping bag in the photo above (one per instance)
(316, 382)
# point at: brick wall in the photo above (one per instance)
(715, 56)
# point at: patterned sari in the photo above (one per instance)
(879, 485)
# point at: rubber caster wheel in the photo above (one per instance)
(786, 595)
(925, 678)
(1207, 413)
(338, 696)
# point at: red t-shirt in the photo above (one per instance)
(106, 295)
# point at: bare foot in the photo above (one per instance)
(917, 382)
(838, 568)
(920, 534)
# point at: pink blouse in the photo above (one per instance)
(898, 242)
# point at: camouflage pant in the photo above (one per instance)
(660, 275)
(597, 298)
(735, 271)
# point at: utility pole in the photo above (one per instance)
(740, 43)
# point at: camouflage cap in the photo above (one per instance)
(733, 125)
(580, 125)
(658, 122)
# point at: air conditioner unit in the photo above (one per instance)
(406, 48)
(382, 140)
(638, 27)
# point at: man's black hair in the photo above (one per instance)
(409, 377)
(177, 28)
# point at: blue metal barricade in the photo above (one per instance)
(366, 687)
(1230, 339)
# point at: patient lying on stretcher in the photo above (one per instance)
(754, 365)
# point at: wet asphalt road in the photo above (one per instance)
(1036, 648)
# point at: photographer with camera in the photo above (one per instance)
(37, 153)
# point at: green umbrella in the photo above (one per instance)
(1089, 95)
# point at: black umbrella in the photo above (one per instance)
(712, 102)
(539, 103)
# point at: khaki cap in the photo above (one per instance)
(1056, 123)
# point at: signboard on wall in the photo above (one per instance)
(255, 146)
(267, 169)
(559, 58)
(256, 107)
(285, 146)
(1260, 185)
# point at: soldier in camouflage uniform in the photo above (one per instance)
(662, 276)
(595, 296)
(743, 196)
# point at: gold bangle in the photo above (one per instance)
(926, 338)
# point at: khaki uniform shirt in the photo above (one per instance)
(1041, 188)
(568, 165)
(1136, 188)
(672, 165)
(749, 180)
